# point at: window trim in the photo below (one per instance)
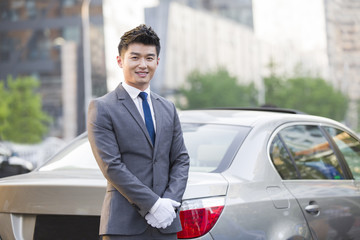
(344, 164)
(290, 155)
(233, 149)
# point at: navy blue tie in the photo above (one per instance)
(148, 118)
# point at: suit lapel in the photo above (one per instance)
(128, 103)
(158, 117)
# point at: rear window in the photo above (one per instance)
(77, 156)
(211, 148)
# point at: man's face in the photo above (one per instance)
(139, 63)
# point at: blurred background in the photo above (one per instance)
(56, 55)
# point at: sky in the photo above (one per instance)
(297, 22)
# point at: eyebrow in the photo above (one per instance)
(138, 54)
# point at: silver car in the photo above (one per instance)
(255, 174)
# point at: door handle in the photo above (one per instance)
(312, 209)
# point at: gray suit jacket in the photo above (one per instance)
(137, 172)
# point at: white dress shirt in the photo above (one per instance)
(134, 94)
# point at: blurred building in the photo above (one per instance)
(198, 40)
(325, 30)
(343, 39)
(193, 31)
(316, 37)
(297, 26)
(44, 39)
(204, 35)
(239, 11)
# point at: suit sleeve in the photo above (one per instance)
(107, 154)
(179, 164)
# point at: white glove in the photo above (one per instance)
(151, 220)
(162, 214)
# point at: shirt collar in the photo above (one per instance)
(134, 92)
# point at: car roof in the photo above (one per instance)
(248, 116)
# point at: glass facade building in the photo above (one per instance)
(33, 37)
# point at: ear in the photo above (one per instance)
(119, 61)
(157, 62)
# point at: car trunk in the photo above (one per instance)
(202, 185)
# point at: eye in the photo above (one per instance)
(150, 58)
(134, 57)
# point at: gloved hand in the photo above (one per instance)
(162, 214)
(151, 220)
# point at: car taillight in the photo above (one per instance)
(199, 216)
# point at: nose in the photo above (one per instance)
(142, 63)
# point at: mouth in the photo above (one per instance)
(142, 74)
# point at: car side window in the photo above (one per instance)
(349, 147)
(310, 153)
(282, 160)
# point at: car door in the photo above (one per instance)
(314, 172)
(349, 146)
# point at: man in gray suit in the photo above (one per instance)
(136, 138)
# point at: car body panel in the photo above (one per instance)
(257, 194)
(25, 196)
(331, 207)
(335, 204)
(17, 226)
(251, 210)
(34, 193)
(38, 189)
(202, 185)
(259, 204)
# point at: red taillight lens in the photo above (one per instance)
(197, 222)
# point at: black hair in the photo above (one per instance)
(141, 34)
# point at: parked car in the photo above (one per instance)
(254, 174)
(11, 164)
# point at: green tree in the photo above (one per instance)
(307, 94)
(25, 122)
(217, 89)
(4, 109)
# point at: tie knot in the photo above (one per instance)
(143, 95)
